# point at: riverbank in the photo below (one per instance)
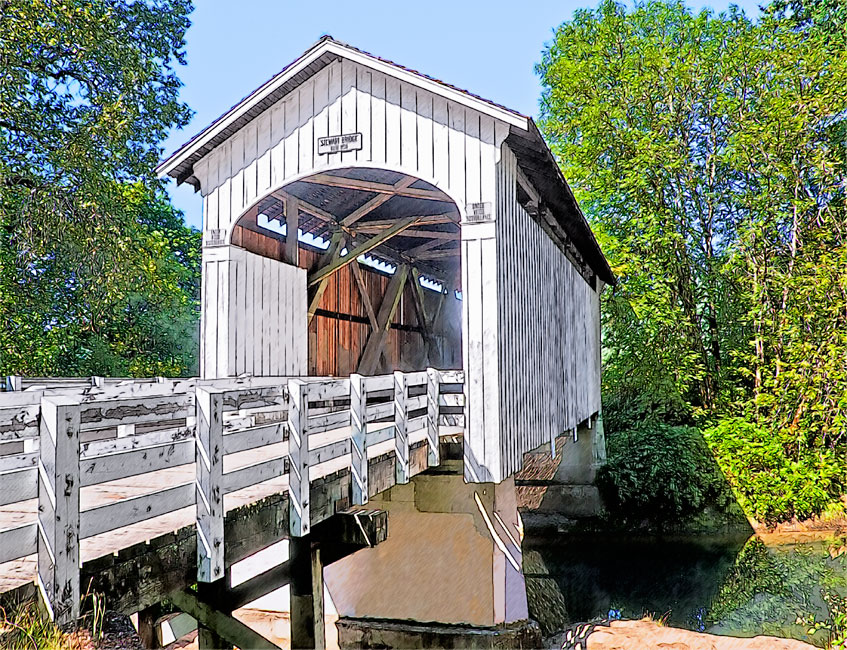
(639, 635)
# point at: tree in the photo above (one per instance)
(87, 93)
(708, 152)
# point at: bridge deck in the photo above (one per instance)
(257, 453)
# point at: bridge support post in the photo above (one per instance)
(210, 497)
(358, 439)
(208, 639)
(58, 508)
(306, 594)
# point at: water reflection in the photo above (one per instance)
(735, 586)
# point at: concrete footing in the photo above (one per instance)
(373, 633)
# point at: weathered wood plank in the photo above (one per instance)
(254, 474)
(18, 485)
(133, 510)
(120, 465)
(298, 451)
(18, 542)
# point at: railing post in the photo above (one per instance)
(433, 389)
(401, 438)
(298, 452)
(358, 439)
(13, 383)
(209, 492)
(58, 508)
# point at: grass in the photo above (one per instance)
(24, 628)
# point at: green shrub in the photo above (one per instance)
(774, 475)
(659, 472)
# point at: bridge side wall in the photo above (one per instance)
(254, 315)
(548, 335)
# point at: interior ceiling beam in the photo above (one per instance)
(371, 186)
(441, 254)
(365, 247)
(432, 243)
(306, 207)
(447, 217)
(415, 232)
(376, 201)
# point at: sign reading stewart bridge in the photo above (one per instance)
(339, 143)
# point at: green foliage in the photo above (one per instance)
(98, 274)
(769, 478)
(709, 153)
(659, 473)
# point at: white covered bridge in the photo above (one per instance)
(441, 189)
(395, 273)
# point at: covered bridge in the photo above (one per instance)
(435, 229)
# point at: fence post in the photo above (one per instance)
(358, 439)
(401, 438)
(433, 389)
(298, 452)
(209, 484)
(58, 508)
(13, 383)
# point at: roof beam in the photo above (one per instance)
(439, 255)
(371, 186)
(363, 248)
(376, 201)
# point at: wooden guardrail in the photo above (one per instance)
(75, 436)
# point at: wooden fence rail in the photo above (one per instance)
(56, 440)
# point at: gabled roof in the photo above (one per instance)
(524, 139)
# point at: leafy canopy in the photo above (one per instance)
(95, 267)
(709, 153)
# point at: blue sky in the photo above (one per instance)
(489, 48)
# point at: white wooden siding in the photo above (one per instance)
(548, 332)
(403, 127)
(254, 315)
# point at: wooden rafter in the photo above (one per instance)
(440, 254)
(417, 250)
(447, 217)
(363, 293)
(371, 186)
(292, 225)
(375, 202)
(373, 348)
(420, 310)
(365, 247)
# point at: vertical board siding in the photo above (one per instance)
(254, 315)
(403, 127)
(549, 334)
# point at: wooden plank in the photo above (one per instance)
(18, 485)
(332, 254)
(401, 437)
(379, 382)
(371, 186)
(360, 249)
(380, 411)
(253, 438)
(58, 511)
(136, 410)
(358, 439)
(376, 201)
(18, 421)
(298, 451)
(432, 408)
(133, 510)
(18, 461)
(326, 389)
(210, 503)
(254, 474)
(373, 348)
(328, 422)
(101, 469)
(329, 452)
(292, 223)
(224, 625)
(18, 542)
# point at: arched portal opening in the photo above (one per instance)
(382, 252)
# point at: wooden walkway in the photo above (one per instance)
(161, 460)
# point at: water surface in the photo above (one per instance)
(772, 585)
